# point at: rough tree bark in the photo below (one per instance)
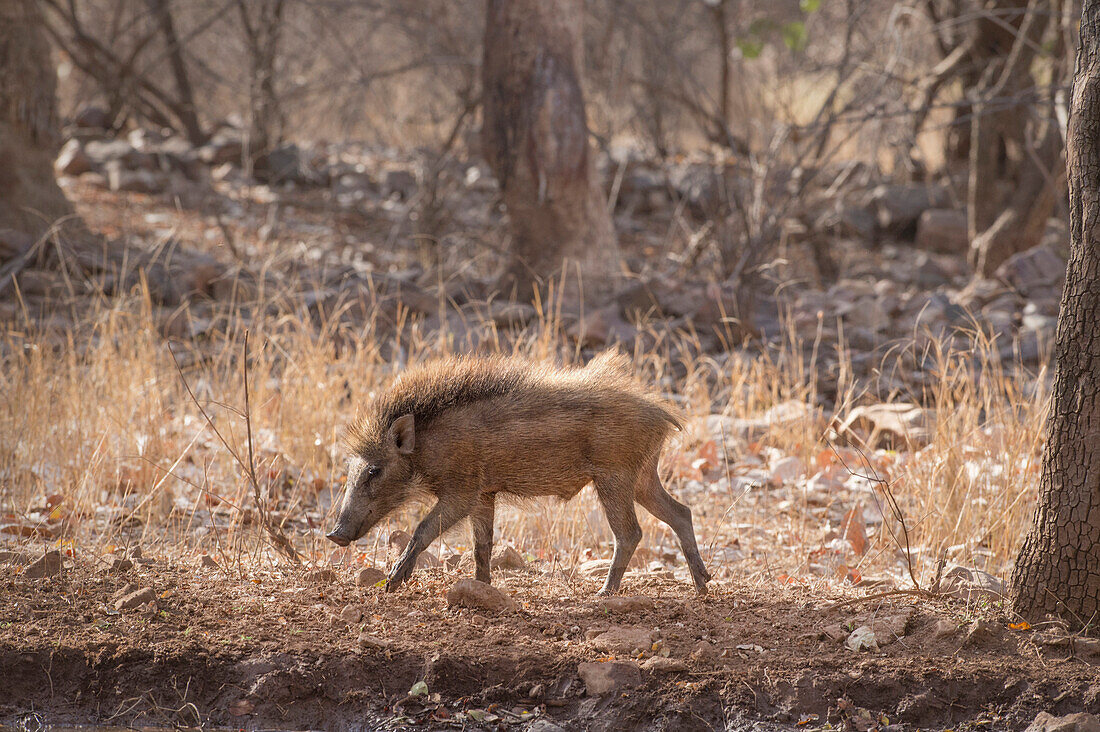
(535, 138)
(1058, 568)
(30, 199)
(189, 117)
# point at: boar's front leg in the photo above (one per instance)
(616, 494)
(446, 512)
(482, 520)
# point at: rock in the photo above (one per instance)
(323, 575)
(890, 628)
(544, 725)
(48, 565)
(13, 244)
(18, 558)
(594, 568)
(1079, 722)
(703, 652)
(91, 116)
(373, 642)
(136, 598)
(398, 540)
(479, 596)
(369, 577)
(604, 678)
(282, 164)
(505, 557)
(970, 584)
(892, 424)
(72, 160)
(120, 178)
(427, 560)
(351, 613)
(624, 639)
(784, 414)
(208, 562)
(626, 604)
(982, 634)
(866, 312)
(897, 207)
(862, 638)
(845, 220)
(400, 184)
(119, 565)
(943, 230)
(786, 470)
(660, 664)
(511, 314)
(1037, 273)
(102, 152)
(225, 146)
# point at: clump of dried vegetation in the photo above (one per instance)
(106, 445)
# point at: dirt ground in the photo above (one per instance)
(290, 648)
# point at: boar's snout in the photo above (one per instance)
(338, 538)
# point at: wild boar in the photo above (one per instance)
(467, 431)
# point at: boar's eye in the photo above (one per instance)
(372, 471)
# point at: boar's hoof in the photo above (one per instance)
(337, 538)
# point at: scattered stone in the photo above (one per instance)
(943, 230)
(626, 604)
(321, 576)
(862, 639)
(18, 558)
(479, 596)
(400, 184)
(120, 178)
(624, 639)
(983, 633)
(136, 598)
(454, 560)
(427, 560)
(351, 614)
(781, 415)
(369, 577)
(511, 314)
(944, 628)
(544, 725)
(787, 469)
(398, 540)
(660, 664)
(604, 678)
(284, 163)
(890, 628)
(72, 160)
(224, 147)
(126, 589)
(208, 562)
(703, 652)
(120, 565)
(1035, 273)
(506, 557)
(897, 207)
(888, 424)
(971, 584)
(91, 116)
(48, 565)
(594, 568)
(373, 642)
(1079, 722)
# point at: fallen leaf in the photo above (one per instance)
(854, 529)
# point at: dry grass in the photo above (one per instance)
(101, 446)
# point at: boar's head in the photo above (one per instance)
(380, 480)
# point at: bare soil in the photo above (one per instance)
(269, 649)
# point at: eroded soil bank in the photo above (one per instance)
(294, 649)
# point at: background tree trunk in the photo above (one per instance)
(1058, 569)
(30, 199)
(535, 138)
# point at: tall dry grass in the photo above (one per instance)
(102, 447)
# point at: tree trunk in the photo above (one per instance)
(30, 199)
(188, 115)
(1009, 142)
(1058, 569)
(535, 138)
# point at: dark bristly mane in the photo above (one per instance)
(428, 390)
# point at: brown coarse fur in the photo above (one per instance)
(467, 430)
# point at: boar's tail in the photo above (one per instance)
(669, 414)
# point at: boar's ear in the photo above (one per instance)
(403, 435)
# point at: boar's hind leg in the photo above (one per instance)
(482, 520)
(447, 512)
(616, 497)
(655, 499)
